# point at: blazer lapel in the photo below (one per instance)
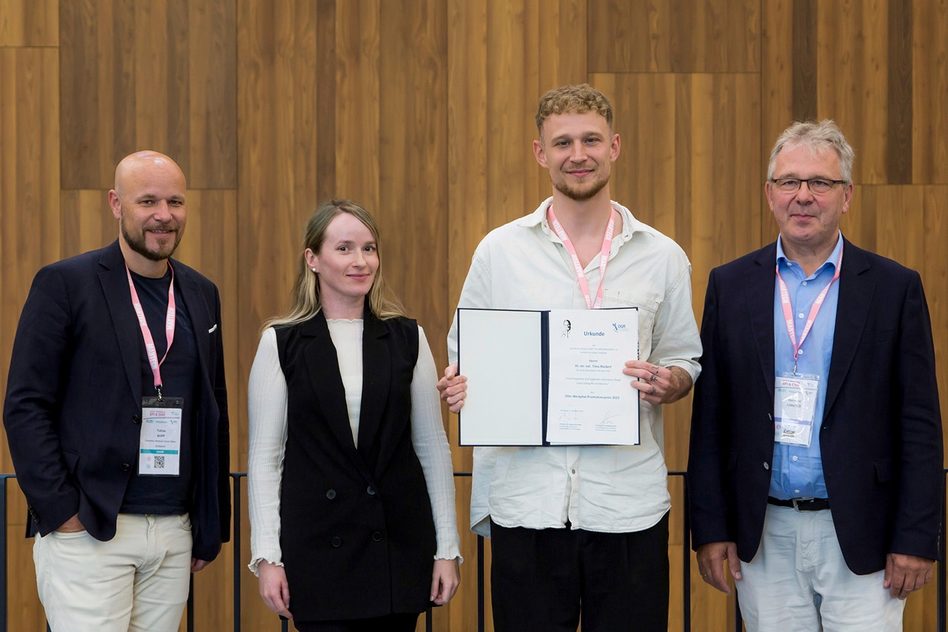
(760, 304)
(198, 310)
(114, 282)
(376, 377)
(322, 364)
(856, 291)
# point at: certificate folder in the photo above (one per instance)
(548, 377)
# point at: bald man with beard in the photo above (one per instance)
(116, 416)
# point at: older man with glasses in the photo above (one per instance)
(816, 448)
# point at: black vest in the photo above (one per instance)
(357, 532)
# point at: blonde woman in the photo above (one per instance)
(351, 490)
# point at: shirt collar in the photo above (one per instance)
(630, 225)
(784, 261)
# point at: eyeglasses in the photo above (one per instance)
(815, 185)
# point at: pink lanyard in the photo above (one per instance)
(814, 309)
(150, 350)
(577, 266)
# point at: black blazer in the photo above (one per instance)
(881, 433)
(357, 533)
(74, 398)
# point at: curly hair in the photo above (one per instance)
(573, 99)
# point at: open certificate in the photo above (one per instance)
(548, 377)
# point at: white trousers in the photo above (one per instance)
(799, 582)
(137, 581)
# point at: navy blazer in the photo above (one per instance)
(73, 402)
(880, 437)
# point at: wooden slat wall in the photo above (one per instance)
(422, 110)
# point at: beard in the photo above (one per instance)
(581, 195)
(138, 244)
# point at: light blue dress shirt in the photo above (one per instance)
(797, 471)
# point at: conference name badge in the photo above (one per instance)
(159, 448)
(795, 408)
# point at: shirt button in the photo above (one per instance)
(794, 458)
(800, 315)
(126, 467)
(370, 490)
(331, 494)
(800, 351)
(804, 283)
(796, 491)
(573, 471)
(766, 465)
(377, 536)
(136, 419)
(335, 542)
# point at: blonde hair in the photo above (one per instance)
(571, 99)
(383, 303)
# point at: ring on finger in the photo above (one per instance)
(652, 391)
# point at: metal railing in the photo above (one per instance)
(237, 477)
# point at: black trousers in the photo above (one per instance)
(544, 580)
(399, 622)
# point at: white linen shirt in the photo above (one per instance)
(613, 489)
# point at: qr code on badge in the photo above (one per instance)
(159, 462)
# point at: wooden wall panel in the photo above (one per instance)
(94, 118)
(929, 91)
(357, 101)
(871, 65)
(127, 85)
(87, 221)
(29, 23)
(467, 163)
(674, 36)
(852, 79)
(509, 104)
(24, 611)
(212, 94)
(157, 85)
(467, 127)
(561, 49)
(899, 235)
(413, 185)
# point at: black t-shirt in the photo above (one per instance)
(179, 373)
